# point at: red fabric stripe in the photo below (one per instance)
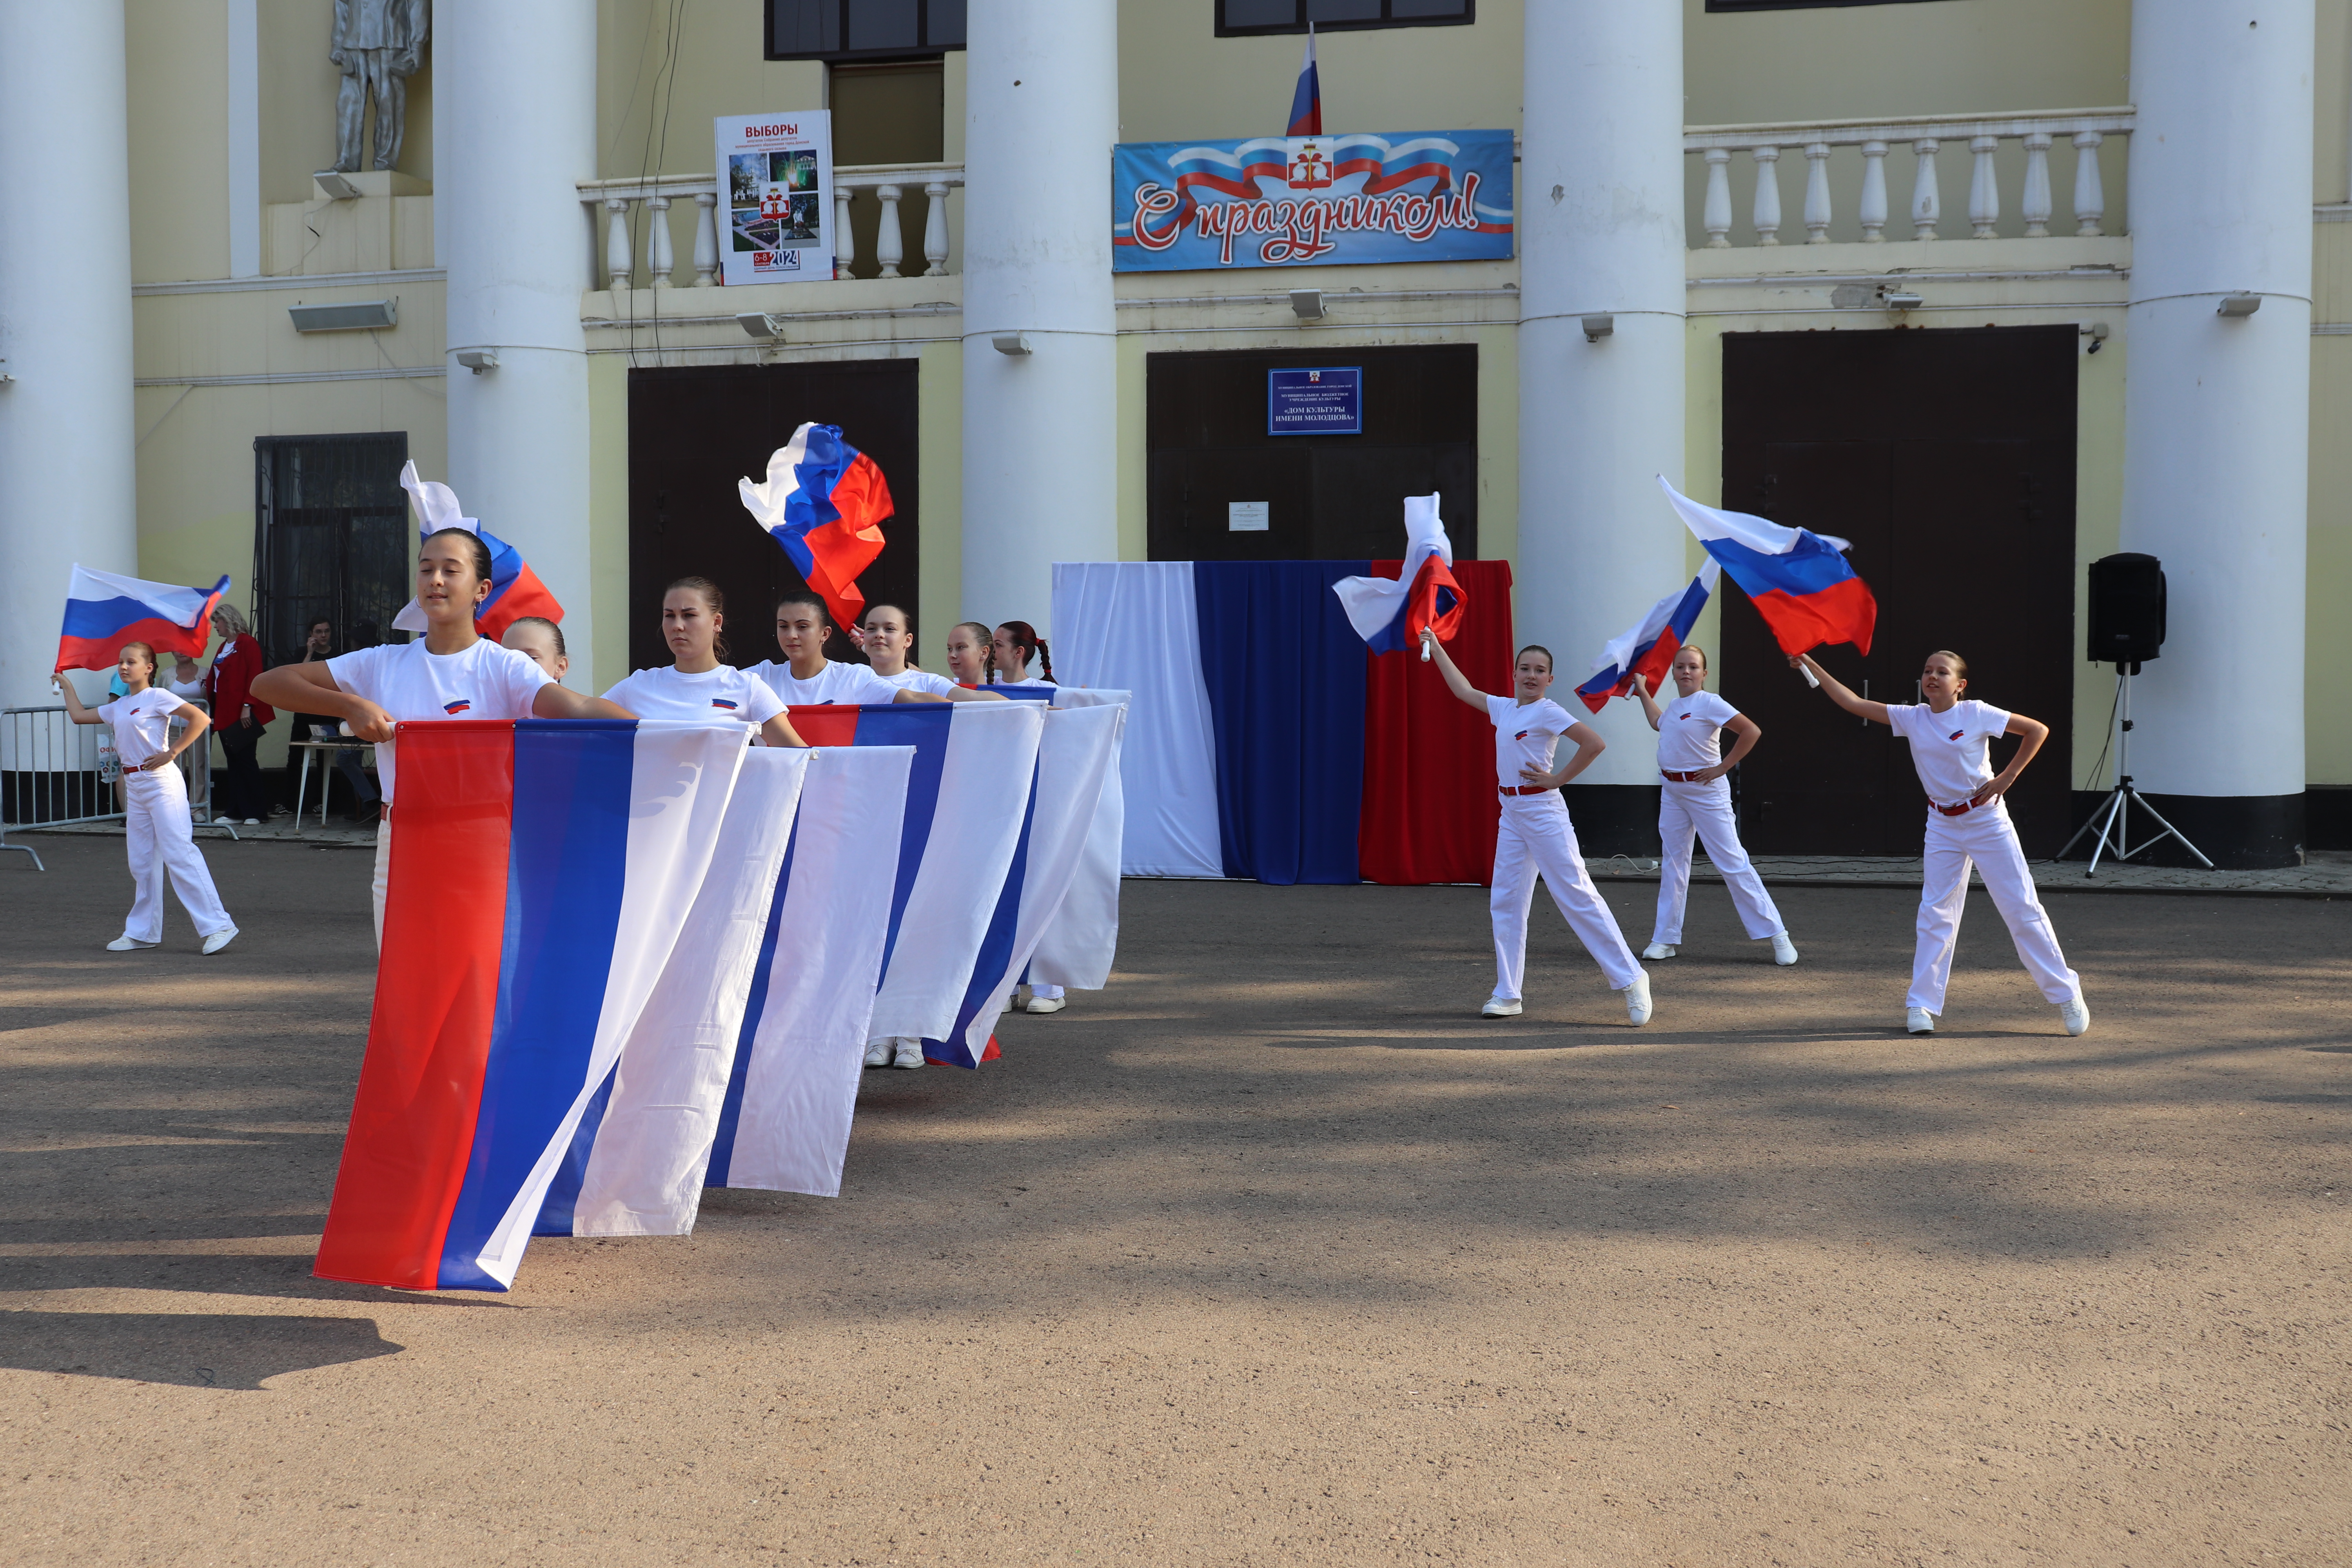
(436, 991)
(526, 596)
(825, 723)
(1842, 612)
(106, 652)
(1652, 665)
(1429, 806)
(847, 545)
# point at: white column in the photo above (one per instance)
(1040, 469)
(2216, 421)
(1600, 215)
(67, 486)
(515, 88)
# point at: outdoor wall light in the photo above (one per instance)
(762, 325)
(1014, 344)
(2237, 307)
(1903, 301)
(357, 316)
(1599, 327)
(1307, 304)
(336, 186)
(478, 360)
(2097, 332)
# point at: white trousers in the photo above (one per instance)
(1535, 836)
(1703, 811)
(1986, 838)
(382, 871)
(155, 817)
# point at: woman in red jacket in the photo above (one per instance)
(237, 718)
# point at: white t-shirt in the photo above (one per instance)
(836, 682)
(919, 680)
(1524, 735)
(486, 681)
(717, 698)
(1689, 732)
(142, 723)
(1000, 678)
(1948, 747)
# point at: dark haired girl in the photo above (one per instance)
(697, 688)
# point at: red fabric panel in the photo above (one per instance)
(1430, 807)
(1842, 612)
(436, 994)
(825, 723)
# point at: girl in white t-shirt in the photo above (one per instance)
(1010, 653)
(698, 688)
(1695, 800)
(969, 653)
(453, 673)
(1968, 822)
(886, 635)
(1535, 835)
(539, 641)
(155, 802)
(804, 676)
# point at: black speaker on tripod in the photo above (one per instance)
(2127, 609)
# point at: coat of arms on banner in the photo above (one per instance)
(1278, 201)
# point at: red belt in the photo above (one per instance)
(1524, 789)
(1965, 805)
(1678, 778)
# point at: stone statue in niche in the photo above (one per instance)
(378, 46)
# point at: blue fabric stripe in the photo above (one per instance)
(923, 726)
(995, 949)
(731, 1110)
(104, 618)
(1812, 565)
(556, 1213)
(565, 876)
(1286, 676)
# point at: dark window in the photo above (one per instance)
(330, 540)
(863, 30)
(1248, 18)
(1799, 5)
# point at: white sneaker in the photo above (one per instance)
(1637, 999)
(219, 939)
(1783, 950)
(128, 944)
(1500, 1008)
(1919, 1021)
(1657, 950)
(877, 1053)
(253, 822)
(910, 1054)
(2075, 1015)
(1046, 1004)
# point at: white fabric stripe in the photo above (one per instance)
(984, 793)
(679, 781)
(1135, 626)
(1077, 753)
(1371, 603)
(1080, 943)
(645, 1173)
(791, 1132)
(169, 600)
(1759, 534)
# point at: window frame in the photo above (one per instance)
(923, 51)
(267, 592)
(1743, 7)
(1293, 30)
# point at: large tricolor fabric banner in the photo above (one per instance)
(1282, 201)
(1266, 741)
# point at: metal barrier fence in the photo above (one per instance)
(56, 773)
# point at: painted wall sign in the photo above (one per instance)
(775, 196)
(1326, 401)
(1285, 201)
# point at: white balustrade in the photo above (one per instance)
(2034, 134)
(622, 198)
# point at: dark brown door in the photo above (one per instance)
(1947, 459)
(1328, 498)
(695, 433)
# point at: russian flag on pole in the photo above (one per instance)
(1307, 100)
(539, 883)
(1798, 581)
(515, 589)
(104, 611)
(1645, 650)
(1389, 613)
(824, 502)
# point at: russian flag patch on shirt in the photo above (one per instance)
(1956, 734)
(458, 707)
(722, 702)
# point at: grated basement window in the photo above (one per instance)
(330, 538)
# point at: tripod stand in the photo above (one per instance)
(2113, 818)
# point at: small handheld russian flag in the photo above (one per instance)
(1389, 613)
(1646, 650)
(1307, 102)
(824, 502)
(515, 589)
(1798, 580)
(104, 611)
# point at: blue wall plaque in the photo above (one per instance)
(1325, 402)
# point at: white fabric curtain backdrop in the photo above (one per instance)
(1133, 626)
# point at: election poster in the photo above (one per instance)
(775, 198)
(1288, 200)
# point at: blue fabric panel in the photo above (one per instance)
(1285, 677)
(924, 726)
(730, 1111)
(995, 949)
(564, 874)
